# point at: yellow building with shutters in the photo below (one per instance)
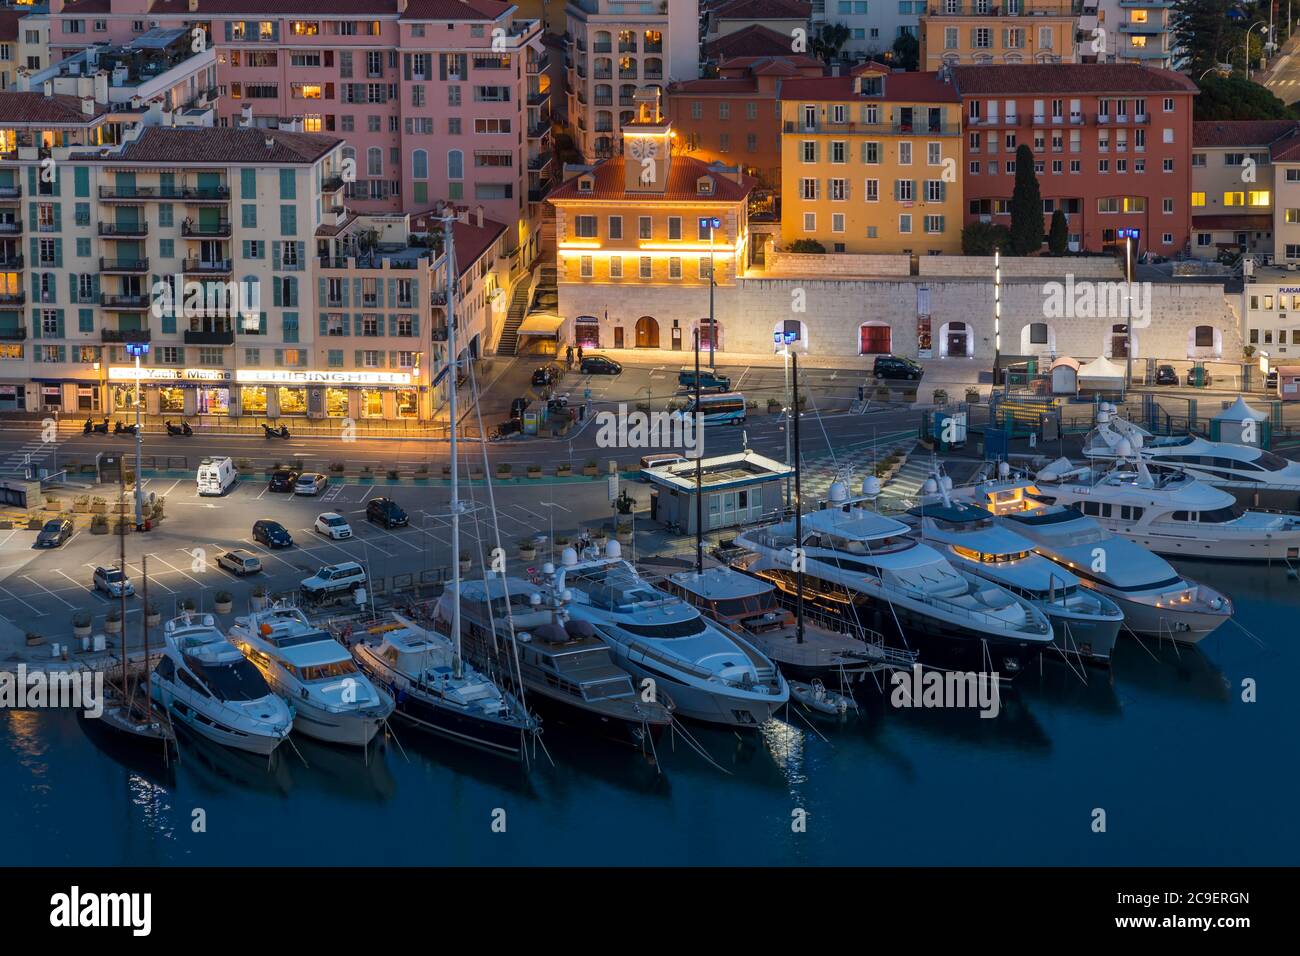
(870, 163)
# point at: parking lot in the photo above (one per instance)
(41, 588)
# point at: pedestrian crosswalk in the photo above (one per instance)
(34, 454)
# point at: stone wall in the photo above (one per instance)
(981, 267)
(838, 265)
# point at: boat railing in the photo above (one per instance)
(677, 663)
(986, 618)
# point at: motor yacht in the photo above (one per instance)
(1156, 599)
(332, 700)
(207, 684)
(708, 673)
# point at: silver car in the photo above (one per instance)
(113, 582)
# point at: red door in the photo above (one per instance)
(875, 339)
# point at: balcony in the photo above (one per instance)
(875, 129)
(211, 267)
(538, 64)
(125, 335)
(10, 193)
(11, 262)
(197, 230)
(209, 336)
(538, 98)
(13, 298)
(134, 195)
(133, 230)
(650, 74)
(332, 184)
(602, 48)
(14, 228)
(542, 129)
(13, 335)
(606, 100)
(123, 266)
(124, 303)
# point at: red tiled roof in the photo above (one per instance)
(1286, 149)
(23, 108)
(754, 40)
(1029, 78)
(762, 10)
(1239, 221)
(75, 7)
(471, 239)
(1240, 132)
(778, 65)
(201, 145)
(683, 171)
(268, 7)
(714, 87)
(454, 9)
(898, 87)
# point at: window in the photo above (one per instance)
(585, 266)
(584, 227)
(615, 227)
(644, 230)
(873, 190)
(647, 267)
(905, 223)
(810, 222)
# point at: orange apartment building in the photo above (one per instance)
(735, 118)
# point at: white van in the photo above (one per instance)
(216, 475)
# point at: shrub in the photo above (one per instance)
(504, 468)
(114, 615)
(81, 619)
(186, 604)
(940, 396)
(807, 245)
(336, 467)
(392, 474)
(224, 596)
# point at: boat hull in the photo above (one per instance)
(214, 730)
(1280, 547)
(1189, 626)
(554, 710)
(1091, 639)
(709, 705)
(350, 729)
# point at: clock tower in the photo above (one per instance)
(647, 145)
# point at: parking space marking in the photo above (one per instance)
(176, 569)
(74, 581)
(398, 537)
(264, 552)
(52, 594)
(369, 492)
(15, 597)
(324, 542)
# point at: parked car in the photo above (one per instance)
(386, 512)
(1165, 375)
(334, 579)
(333, 526)
(272, 534)
(1206, 378)
(600, 365)
(113, 582)
(898, 368)
(240, 562)
(282, 479)
(310, 483)
(55, 532)
(546, 375)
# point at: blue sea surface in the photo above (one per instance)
(1186, 772)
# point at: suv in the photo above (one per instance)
(334, 579)
(113, 582)
(1165, 375)
(282, 479)
(892, 366)
(546, 375)
(240, 562)
(386, 512)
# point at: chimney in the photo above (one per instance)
(270, 143)
(48, 87)
(88, 105)
(478, 217)
(194, 6)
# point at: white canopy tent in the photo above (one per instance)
(1101, 375)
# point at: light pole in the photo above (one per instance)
(138, 349)
(997, 314)
(1246, 43)
(1128, 235)
(711, 224)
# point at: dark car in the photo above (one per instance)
(1165, 375)
(896, 367)
(1206, 379)
(272, 534)
(546, 375)
(55, 532)
(386, 512)
(282, 480)
(517, 409)
(600, 365)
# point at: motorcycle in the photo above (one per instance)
(281, 432)
(100, 428)
(90, 423)
(182, 429)
(120, 429)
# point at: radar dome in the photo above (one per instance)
(1124, 449)
(1004, 469)
(838, 492)
(930, 486)
(548, 568)
(568, 557)
(870, 486)
(612, 550)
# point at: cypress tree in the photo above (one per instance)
(1026, 206)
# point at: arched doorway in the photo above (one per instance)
(1119, 341)
(954, 340)
(710, 335)
(1204, 341)
(875, 338)
(647, 333)
(586, 331)
(1037, 338)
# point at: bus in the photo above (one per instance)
(725, 409)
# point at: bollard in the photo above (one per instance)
(101, 642)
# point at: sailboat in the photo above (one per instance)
(434, 687)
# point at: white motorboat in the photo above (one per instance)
(332, 700)
(207, 684)
(1156, 599)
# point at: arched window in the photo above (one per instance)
(420, 164)
(455, 164)
(374, 161)
(1038, 333)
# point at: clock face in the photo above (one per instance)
(643, 148)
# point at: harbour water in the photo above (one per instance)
(1186, 772)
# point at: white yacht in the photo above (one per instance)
(206, 683)
(1156, 600)
(868, 569)
(1253, 475)
(1172, 513)
(1085, 623)
(706, 672)
(437, 692)
(333, 701)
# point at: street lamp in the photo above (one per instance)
(138, 350)
(711, 223)
(1246, 42)
(997, 313)
(1129, 236)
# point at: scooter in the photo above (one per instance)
(120, 429)
(100, 428)
(182, 429)
(281, 432)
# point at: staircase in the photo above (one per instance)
(509, 341)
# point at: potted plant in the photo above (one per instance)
(882, 392)
(623, 532)
(367, 473)
(152, 615)
(534, 471)
(34, 523)
(465, 562)
(81, 622)
(336, 467)
(34, 639)
(99, 524)
(972, 395)
(527, 549)
(185, 605)
(81, 504)
(98, 506)
(258, 597)
(113, 621)
(422, 473)
(503, 471)
(600, 536)
(940, 396)
(393, 474)
(159, 505)
(773, 405)
(624, 502)
(244, 466)
(563, 470)
(589, 469)
(225, 601)
(446, 470)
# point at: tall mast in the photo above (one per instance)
(699, 459)
(144, 617)
(449, 264)
(798, 498)
(121, 565)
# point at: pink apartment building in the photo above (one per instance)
(436, 99)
